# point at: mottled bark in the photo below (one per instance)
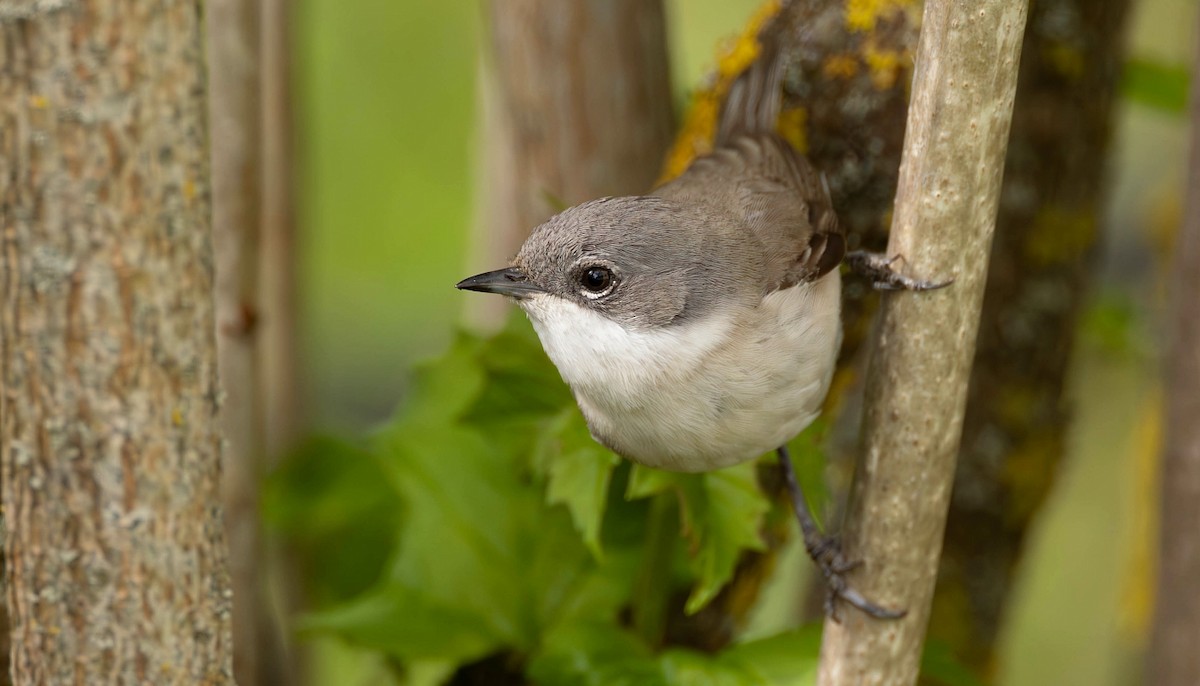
(1174, 657)
(945, 213)
(576, 105)
(1015, 429)
(109, 444)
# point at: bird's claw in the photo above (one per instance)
(826, 552)
(877, 268)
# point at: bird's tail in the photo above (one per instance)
(755, 98)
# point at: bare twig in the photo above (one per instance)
(1174, 660)
(946, 204)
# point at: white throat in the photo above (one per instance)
(596, 354)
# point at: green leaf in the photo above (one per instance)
(785, 659)
(465, 509)
(687, 668)
(645, 482)
(727, 514)
(721, 515)
(521, 381)
(1161, 86)
(602, 654)
(522, 392)
(579, 472)
(809, 460)
(406, 623)
(594, 654)
(445, 387)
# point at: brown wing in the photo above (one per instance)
(777, 196)
(759, 180)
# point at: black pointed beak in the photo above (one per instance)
(511, 282)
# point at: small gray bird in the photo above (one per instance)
(699, 326)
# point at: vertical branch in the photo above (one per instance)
(252, 236)
(576, 105)
(279, 365)
(946, 203)
(283, 413)
(109, 445)
(1174, 659)
(234, 113)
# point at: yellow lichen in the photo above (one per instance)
(885, 65)
(793, 126)
(863, 15)
(39, 102)
(700, 125)
(840, 66)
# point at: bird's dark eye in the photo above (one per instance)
(596, 279)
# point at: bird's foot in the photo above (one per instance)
(826, 552)
(877, 268)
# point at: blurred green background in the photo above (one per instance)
(387, 113)
(386, 92)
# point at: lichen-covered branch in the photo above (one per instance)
(946, 203)
(115, 558)
(1174, 660)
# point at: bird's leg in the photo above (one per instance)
(826, 552)
(877, 268)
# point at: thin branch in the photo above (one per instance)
(946, 202)
(1174, 659)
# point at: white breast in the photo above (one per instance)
(701, 395)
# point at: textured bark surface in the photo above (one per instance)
(576, 105)
(1015, 429)
(1174, 658)
(110, 450)
(946, 203)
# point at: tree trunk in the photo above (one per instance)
(110, 451)
(576, 105)
(1174, 658)
(946, 203)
